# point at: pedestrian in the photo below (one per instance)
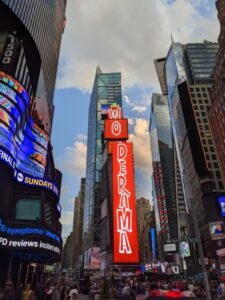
(63, 294)
(8, 291)
(73, 294)
(39, 292)
(48, 292)
(28, 294)
(18, 292)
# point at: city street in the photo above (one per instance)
(85, 297)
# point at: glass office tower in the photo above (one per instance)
(45, 21)
(106, 90)
(188, 71)
(163, 172)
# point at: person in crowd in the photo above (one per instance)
(48, 292)
(39, 291)
(8, 291)
(73, 294)
(28, 294)
(63, 294)
(18, 292)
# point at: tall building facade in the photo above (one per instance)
(163, 176)
(30, 37)
(106, 90)
(73, 247)
(217, 109)
(145, 220)
(44, 23)
(188, 71)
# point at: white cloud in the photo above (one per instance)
(141, 141)
(73, 160)
(139, 106)
(131, 121)
(67, 218)
(125, 36)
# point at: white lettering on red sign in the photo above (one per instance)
(123, 213)
(116, 128)
(115, 112)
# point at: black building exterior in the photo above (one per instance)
(30, 231)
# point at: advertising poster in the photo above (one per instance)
(217, 230)
(92, 259)
(124, 205)
(185, 249)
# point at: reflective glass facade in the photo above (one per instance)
(188, 72)
(201, 61)
(106, 90)
(163, 169)
(45, 22)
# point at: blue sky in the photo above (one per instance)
(121, 36)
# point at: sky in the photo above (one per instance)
(120, 36)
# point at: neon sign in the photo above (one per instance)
(124, 210)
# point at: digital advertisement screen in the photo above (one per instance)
(185, 249)
(221, 200)
(19, 135)
(217, 230)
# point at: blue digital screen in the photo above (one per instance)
(152, 232)
(19, 135)
(221, 200)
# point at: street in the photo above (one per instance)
(86, 297)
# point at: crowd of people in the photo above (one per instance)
(48, 291)
(129, 289)
(124, 289)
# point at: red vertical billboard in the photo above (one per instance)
(124, 205)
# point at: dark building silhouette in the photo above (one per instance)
(30, 37)
(217, 109)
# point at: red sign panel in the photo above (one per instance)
(124, 205)
(116, 129)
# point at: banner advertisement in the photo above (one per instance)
(217, 230)
(92, 259)
(185, 249)
(19, 238)
(124, 206)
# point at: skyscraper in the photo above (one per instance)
(106, 90)
(163, 176)
(188, 71)
(40, 24)
(30, 37)
(217, 109)
(145, 220)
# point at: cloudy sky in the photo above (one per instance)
(120, 36)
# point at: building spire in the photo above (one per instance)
(98, 70)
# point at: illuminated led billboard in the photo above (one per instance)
(221, 200)
(23, 144)
(124, 206)
(116, 129)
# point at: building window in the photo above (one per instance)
(28, 209)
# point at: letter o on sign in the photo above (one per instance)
(116, 128)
